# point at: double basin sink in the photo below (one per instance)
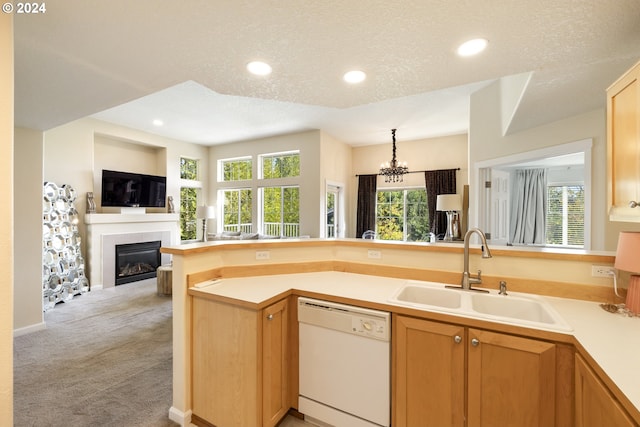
(518, 309)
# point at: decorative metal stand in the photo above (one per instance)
(62, 263)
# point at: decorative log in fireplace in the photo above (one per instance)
(137, 261)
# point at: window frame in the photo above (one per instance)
(222, 162)
(405, 219)
(564, 214)
(189, 184)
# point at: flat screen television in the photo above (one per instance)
(127, 189)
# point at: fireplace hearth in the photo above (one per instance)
(137, 261)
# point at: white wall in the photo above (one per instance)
(309, 145)
(448, 152)
(6, 219)
(28, 225)
(65, 155)
(486, 142)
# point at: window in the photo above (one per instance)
(281, 165)
(281, 211)
(402, 215)
(565, 215)
(236, 169)
(188, 220)
(188, 169)
(237, 210)
(189, 192)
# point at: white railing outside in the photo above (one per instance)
(244, 228)
(279, 229)
(331, 231)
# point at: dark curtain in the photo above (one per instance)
(439, 182)
(366, 204)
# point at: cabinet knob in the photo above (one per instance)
(457, 339)
(270, 317)
(475, 342)
(633, 204)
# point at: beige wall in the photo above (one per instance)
(309, 145)
(335, 164)
(6, 219)
(28, 225)
(487, 142)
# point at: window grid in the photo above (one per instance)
(238, 204)
(402, 215)
(565, 215)
(281, 211)
(236, 169)
(281, 165)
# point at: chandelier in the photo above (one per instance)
(393, 171)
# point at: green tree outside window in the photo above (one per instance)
(402, 215)
(237, 170)
(280, 165)
(237, 210)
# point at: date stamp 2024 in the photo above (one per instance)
(24, 8)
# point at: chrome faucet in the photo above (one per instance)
(467, 280)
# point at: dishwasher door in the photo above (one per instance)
(344, 361)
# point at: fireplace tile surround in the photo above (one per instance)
(105, 231)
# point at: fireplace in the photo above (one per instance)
(137, 261)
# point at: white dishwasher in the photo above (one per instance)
(344, 364)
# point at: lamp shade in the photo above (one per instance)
(205, 212)
(627, 254)
(448, 202)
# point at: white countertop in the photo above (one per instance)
(611, 339)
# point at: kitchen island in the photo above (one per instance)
(335, 269)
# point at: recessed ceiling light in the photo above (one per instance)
(158, 122)
(259, 68)
(472, 47)
(355, 76)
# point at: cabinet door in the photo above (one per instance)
(623, 145)
(511, 380)
(595, 406)
(428, 373)
(274, 363)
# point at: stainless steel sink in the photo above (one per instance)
(518, 309)
(432, 296)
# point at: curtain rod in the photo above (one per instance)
(436, 170)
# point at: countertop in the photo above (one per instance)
(608, 338)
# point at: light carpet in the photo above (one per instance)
(104, 360)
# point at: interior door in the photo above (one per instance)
(499, 217)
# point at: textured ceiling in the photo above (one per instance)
(184, 62)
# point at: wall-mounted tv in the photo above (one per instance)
(127, 189)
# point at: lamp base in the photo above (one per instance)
(448, 237)
(633, 295)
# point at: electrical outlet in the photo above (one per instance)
(602, 271)
(374, 254)
(262, 255)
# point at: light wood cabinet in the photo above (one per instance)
(275, 344)
(595, 405)
(239, 364)
(623, 146)
(510, 381)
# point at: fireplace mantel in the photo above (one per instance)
(105, 230)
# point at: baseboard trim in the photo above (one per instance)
(29, 329)
(182, 418)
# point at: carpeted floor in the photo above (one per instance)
(104, 360)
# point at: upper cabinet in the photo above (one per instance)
(623, 147)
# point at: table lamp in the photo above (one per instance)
(628, 259)
(204, 213)
(449, 203)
